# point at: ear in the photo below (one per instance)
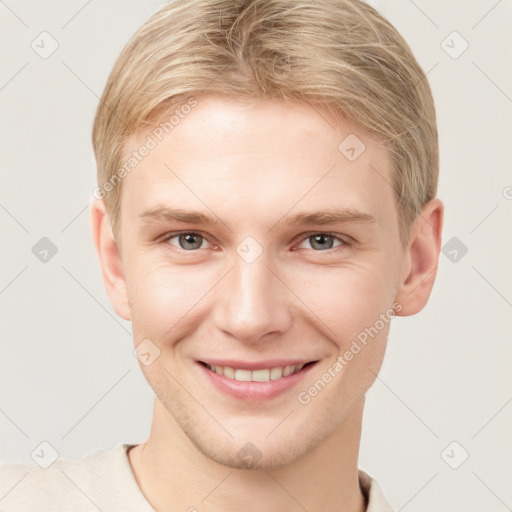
(110, 258)
(421, 259)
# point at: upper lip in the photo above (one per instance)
(256, 365)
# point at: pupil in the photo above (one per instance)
(190, 241)
(322, 241)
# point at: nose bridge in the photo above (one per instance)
(253, 303)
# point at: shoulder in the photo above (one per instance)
(25, 487)
(91, 483)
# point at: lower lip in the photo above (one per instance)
(254, 391)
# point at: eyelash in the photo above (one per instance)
(169, 236)
(343, 241)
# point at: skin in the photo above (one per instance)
(253, 167)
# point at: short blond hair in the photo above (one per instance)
(338, 54)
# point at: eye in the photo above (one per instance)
(187, 241)
(322, 242)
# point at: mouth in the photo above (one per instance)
(255, 381)
(256, 375)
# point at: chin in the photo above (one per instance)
(261, 453)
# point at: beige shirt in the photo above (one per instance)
(102, 481)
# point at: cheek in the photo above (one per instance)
(346, 300)
(353, 309)
(163, 296)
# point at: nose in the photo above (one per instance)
(252, 303)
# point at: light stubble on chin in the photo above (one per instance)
(240, 452)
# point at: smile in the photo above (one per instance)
(255, 381)
(261, 375)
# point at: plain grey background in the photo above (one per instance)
(68, 375)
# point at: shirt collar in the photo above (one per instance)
(376, 502)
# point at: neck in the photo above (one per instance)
(174, 475)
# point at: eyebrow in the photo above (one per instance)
(163, 213)
(329, 216)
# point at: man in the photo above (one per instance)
(267, 173)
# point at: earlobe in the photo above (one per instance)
(421, 259)
(110, 258)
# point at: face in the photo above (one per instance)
(251, 245)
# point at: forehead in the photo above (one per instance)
(259, 154)
(219, 123)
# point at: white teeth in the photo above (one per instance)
(276, 373)
(228, 372)
(288, 371)
(243, 375)
(262, 375)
